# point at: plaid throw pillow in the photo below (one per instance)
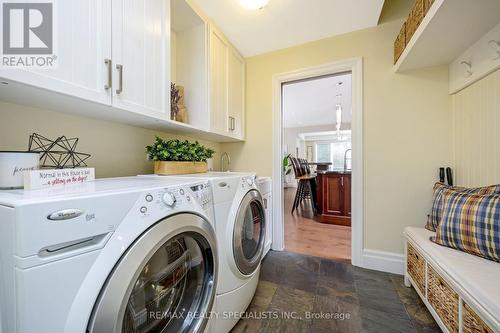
(439, 189)
(471, 223)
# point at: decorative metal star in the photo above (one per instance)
(59, 153)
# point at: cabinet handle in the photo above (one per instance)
(342, 181)
(265, 203)
(109, 84)
(233, 123)
(120, 79)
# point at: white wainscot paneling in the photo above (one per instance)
(476, 118)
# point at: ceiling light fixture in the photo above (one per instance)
(338, 111)
(339, 119)
(253, 4)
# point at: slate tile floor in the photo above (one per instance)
(321, 295)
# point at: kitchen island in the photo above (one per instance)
(334, 196)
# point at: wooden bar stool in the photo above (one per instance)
(312, 194)
(306, 187)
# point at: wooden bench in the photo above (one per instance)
(461, 291)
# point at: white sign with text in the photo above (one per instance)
(38, 179)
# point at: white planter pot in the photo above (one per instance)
(12, 167)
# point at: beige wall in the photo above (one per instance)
(476, 137)
(292, 140)
(117, 149)
(407, 124)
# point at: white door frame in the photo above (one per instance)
(355, 66)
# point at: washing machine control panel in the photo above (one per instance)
(181, 198)
(169, 199)
(248, 182)
(203, 193)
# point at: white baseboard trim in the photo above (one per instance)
(383, 261)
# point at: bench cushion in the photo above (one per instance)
(478, 276)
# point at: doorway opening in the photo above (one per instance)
(317, 167)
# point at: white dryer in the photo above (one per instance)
(114, 255)
(240, 224)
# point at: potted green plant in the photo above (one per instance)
(175, 157)
(287, 168)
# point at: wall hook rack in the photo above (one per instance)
(496, 47)
(468, 68)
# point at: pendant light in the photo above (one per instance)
(338, 111)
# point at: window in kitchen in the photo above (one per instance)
(334, 152)
(323, 152)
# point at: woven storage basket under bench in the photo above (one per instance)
(461, 291)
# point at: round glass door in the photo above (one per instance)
(167, 286)
(169, 289)
(249, 233)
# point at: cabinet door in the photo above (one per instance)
(219, 82)
(347, 195)
(332, 195)
(236, 90)
(141, 56)
(83, 42)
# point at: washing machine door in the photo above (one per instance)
(249, 233)
(164, 282)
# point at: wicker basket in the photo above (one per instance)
(416, 268)
(443, 299)
(427, 5)
(400, 43)
(416, 16)
(472, 323)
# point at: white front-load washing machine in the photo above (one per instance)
(114, 255)
(240, 226)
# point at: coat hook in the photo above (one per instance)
(468, 66)
(496, 47)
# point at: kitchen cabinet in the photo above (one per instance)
(83, 42)
(334, 197)
(140, 54)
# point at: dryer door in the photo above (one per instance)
(249, 233)
(164, 282)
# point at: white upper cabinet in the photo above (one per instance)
(236, 94)
(219, 82)
(83, 42)
(227, 87)
(141, 53)
(117, 58)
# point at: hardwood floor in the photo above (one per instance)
(306, 235)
